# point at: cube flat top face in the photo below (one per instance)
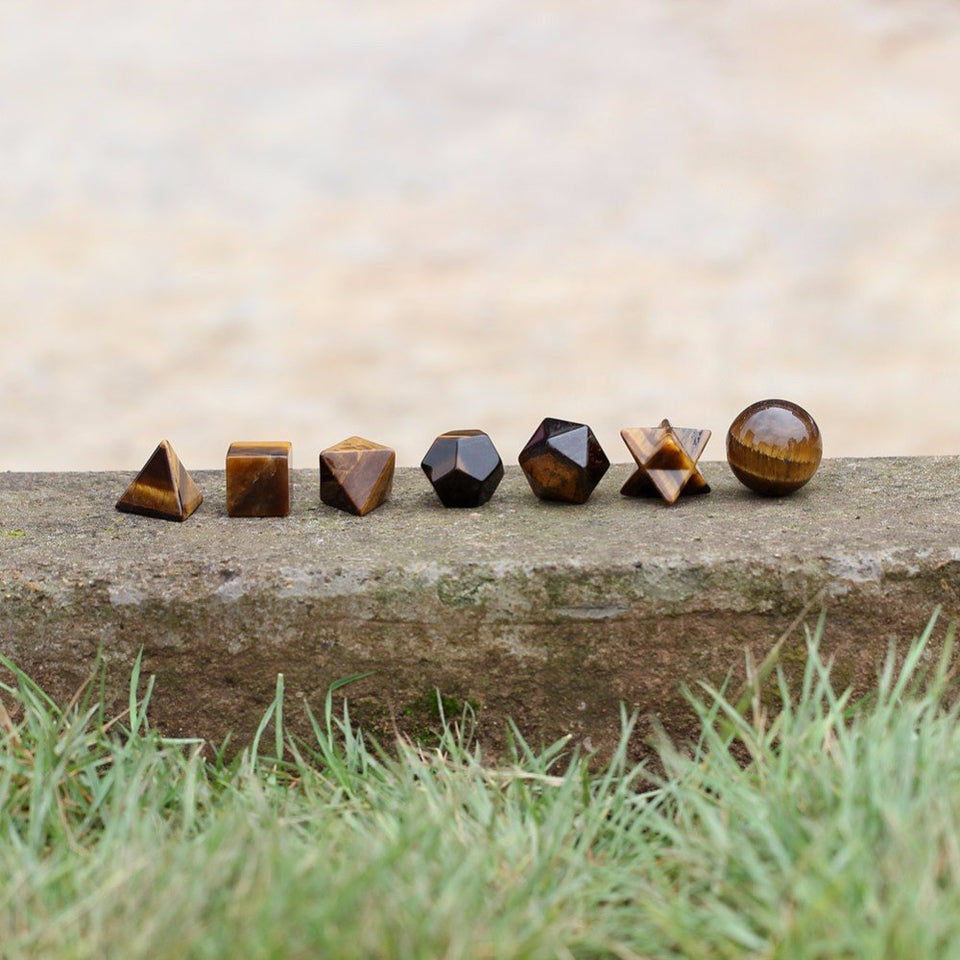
(258, 479)
(260, 448)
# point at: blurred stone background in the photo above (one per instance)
(302, 220)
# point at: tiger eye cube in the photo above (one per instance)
(258, 479)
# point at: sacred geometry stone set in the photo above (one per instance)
(773, 447)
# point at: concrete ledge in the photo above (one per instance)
(549, 614)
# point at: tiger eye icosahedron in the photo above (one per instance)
(563, 461)
(774, 447)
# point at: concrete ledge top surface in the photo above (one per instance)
(854, 516)
(552, 615)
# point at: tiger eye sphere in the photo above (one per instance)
(774, 447)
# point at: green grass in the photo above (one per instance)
(824, 828)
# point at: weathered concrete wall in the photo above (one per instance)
(549, 614)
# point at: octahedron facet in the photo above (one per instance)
(356, 475)
(162, 489)
(464, 468)
(563, 461)
(774, 447)
(258, 479)
(666, 459)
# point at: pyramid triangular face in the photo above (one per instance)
(162, 489)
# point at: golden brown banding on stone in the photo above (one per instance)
(162, 489)
(258, 478)
(774, 447)
(356, 475)
(563, 461)
(666, 458)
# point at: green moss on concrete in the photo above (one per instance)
(469, 588)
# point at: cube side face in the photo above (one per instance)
(258, 479)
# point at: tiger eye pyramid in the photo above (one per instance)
(356, 475)
(162, 489)
(258, 479)
(463, 467)
(774, 447)
(666, 459)
(563, 461)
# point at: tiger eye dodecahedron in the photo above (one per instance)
(356, 475)
(463, 467)
(258, 479)
(774, 447)
(563, 461)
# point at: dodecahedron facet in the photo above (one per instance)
(356, 475)
(464, 468)
(563, 461)
(666, 459)
(258, 478)
(162, 489)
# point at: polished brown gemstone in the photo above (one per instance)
(563, 461)
(666, 459)
(162, 489)
(258, 479)
(356, 475)
(774, 447)
(463, 467)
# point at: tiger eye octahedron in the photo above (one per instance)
(774, 447)
(356, 475)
